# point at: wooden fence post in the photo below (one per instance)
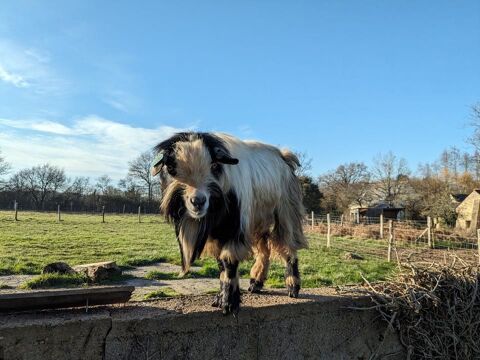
(390, 240)
(15, 206)
(58, 213)
(139, 213)
(341, 220)
(313, 220)
(381, 226)
(123, 209)
(103, 213)
(429, 233)
(328, 229)
(478, 245)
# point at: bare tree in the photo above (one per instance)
(79, 187)
(391, 175)
(104, 184)
(140, 170)
(455, 159)
(347, 184)
(466, 162)
(4, 166)
(131, 190)
(4, 169)
(305, 164)
(475, 123)
(426, 170)
(39, 181)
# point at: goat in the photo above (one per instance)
(231, 199)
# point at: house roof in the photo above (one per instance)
(461, 197)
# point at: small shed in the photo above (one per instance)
(468, 212)
(359, 213)
(458, 198)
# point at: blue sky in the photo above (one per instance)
(87, 85)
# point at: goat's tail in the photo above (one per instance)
(288, 228)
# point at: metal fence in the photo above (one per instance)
(391, 237)
(378, 236)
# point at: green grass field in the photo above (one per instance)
(38, 239)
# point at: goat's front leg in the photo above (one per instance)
(229, 297)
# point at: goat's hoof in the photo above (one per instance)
(293, 291)
(231, 302)
(231, 309)
(255, 286)
(217, 300)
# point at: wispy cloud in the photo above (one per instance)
(121, 100)
(90, 146)
(27, 68)
(14, 79)
(38, 125)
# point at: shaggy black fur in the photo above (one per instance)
(215, 146)
(222, 221)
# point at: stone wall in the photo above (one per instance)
(269, 326)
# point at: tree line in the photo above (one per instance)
(46, 186)
(426, 192)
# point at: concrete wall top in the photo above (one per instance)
(319, 325)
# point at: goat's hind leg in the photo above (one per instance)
(292, 275)
(259, 270)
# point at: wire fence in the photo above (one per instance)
(385, 238)
(392, 238)
(84, 217)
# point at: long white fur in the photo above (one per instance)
(265, 186)
(263, 182)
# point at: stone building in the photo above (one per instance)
(468, 212)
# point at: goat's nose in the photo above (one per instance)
(198, 201)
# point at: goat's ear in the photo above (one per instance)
(222, 157)
(157, 163)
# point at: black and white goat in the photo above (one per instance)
(231, 199)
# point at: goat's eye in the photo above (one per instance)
(169, 167)
(214, 166)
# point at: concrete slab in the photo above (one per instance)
(270, 326)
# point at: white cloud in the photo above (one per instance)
(116, 104)
(121, 100)
(91, 146)
(14, 79)
(27, 68)
(38, 125)
(38, 55)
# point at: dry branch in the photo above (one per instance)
(435, 308)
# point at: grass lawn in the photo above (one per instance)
(38, 239)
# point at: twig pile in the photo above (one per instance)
(435, 308)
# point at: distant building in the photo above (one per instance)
(359, 213)
(458, 198)
(468, 212)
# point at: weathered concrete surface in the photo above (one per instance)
(54, 335)
(269, 326)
